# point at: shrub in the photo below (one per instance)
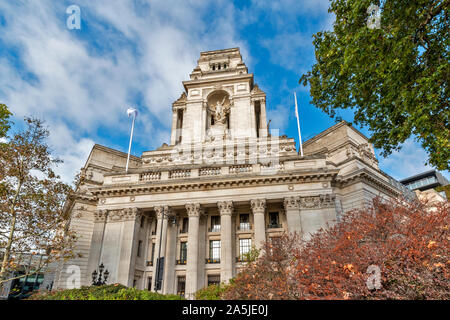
(105, 292)
(407, 241)
(211, 292)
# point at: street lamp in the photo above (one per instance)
(102, 277)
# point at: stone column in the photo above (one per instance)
(173, 135)
(292, 208)
(160, 244)
(259, 209)
(263, 120)
(194, 210)
(226, 245)
(128, 249)
(170, 255)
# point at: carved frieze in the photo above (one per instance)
(100, 215)
(310, 202)
(125, 214)
(291, 203)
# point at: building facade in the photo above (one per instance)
(184, 215)
(428, 181)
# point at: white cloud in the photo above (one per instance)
(409, 161)
(79, 87)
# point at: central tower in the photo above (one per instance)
(220, 101)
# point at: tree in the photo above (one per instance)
(32, 196)
(4, 120)
(391, 250)
(394, 76)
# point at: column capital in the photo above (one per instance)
(131, 214)
(162, 212)
(194, 209)
(291, 203)
(258, 205)
(100, 215)
(225, 207)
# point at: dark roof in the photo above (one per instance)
(428, 173)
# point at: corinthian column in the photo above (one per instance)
(193, 210)
(259, 209)
(292, 208)
(161, 237)
(173, 136)
(226, 245)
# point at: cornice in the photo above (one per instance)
(364, 175)
(213, 183)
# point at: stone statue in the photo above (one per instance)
(219, 112)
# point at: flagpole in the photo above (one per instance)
(298, 125)
(129, 112)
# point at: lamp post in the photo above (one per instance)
(134, 112)
(101, 278)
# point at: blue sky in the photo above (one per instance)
(137, 52)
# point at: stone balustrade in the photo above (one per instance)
(243, 168)
(150, 176)
(179, 174)
(210, 171)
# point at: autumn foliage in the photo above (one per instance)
(406, 241)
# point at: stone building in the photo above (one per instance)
(225, 183)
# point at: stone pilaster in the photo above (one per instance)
(259, 208)
(226, 246)
(98, 233)
(128, 249)
(194, 211)
(292, 208)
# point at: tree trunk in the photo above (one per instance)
(11, 235)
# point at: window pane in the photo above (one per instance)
(213, 279)
(244, 246)
(214, 249)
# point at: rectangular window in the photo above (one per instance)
(185, 226)
(257, 117)
(273, 220)
(244, 247)
(149, 283)
(139, 248)
(214, 250)
(213, 279)
(181, 285)
(183, 252)
(215, 223)
(244, 222)
(153, 252)
(142, 221)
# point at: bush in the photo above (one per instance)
(105, 292)
(406, 241)
(211, 292)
